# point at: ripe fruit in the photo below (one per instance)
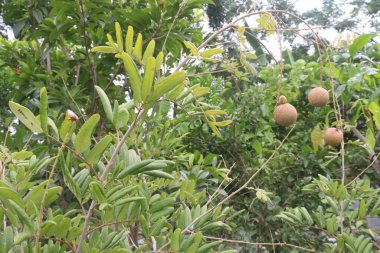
(333, 136)
(284, 114)
(318, 97)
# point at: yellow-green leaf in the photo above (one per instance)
(95, 154)
(250, 55)
(149, 74)
(110, 42)
(166, 84)
(200, 91)
(137, 50)
(212, 52)
(105, 102)
(129, 40)
(223, 123)
(266, 22)
(26, 117)
(215, 112)
(83, 139)
(316, 137)
(104, 49)
(149, 51)
(134, 76)
(193, 49)
(119, 36)
(43, 109)
(159, 60)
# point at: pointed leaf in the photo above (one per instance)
(104, 49)
(43, 109)
(83, 139)
(96, 153)
(137, 50)
(119, 36)
(211, 52)
(166, 84)
(129, 40)
(360, 42)
(193, 49)
(26, 117)
(149, 75)
(134, 76)
(105, 102)
(149, 51)
(159, 60)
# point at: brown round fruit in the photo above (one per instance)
(333, 136)
(318, 97)
(285, 114)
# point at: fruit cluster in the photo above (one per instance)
(285, 114)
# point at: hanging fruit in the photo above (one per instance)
(318, 97)
(333, 136)
(284, 114)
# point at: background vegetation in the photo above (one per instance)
(139, 126)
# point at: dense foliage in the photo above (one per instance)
(128, 127)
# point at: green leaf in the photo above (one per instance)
(26, 117)
(193, 49)
(159, 60)
(374, 108)
(360, 42)
(266, 22)
(21, 155)
(137, 50)
(200, 91)
(166, 84)
(223, 123)
(158, 173)
(129, 40)
(149, 51)
(83, 139)
(149, 74)
(134, 76)
(43, 109)
(362, 209)
(134, 167)
(105, 102)
(9, 194)
(176, 240)
(119, 36)
(211, 52)
(97, 192)
(370, 139)
(316, 137)
(22, 215)
(95, 154)
(214, 112)
(104, 49)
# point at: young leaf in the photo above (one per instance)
(83, 139)
(43, 109)
(149, 75)
(96, 153)
(105, 102)
(200, 91)
(26, 117)
(159, 60)
(119, 36)
(134, 76)
(137, 50)
(166, 84)
(111, 42)
(129, 40)
(193, 49)
(159, 173)
(211, 52)
(149, 51)
(104, 49)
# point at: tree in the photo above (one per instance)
(136, 132)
